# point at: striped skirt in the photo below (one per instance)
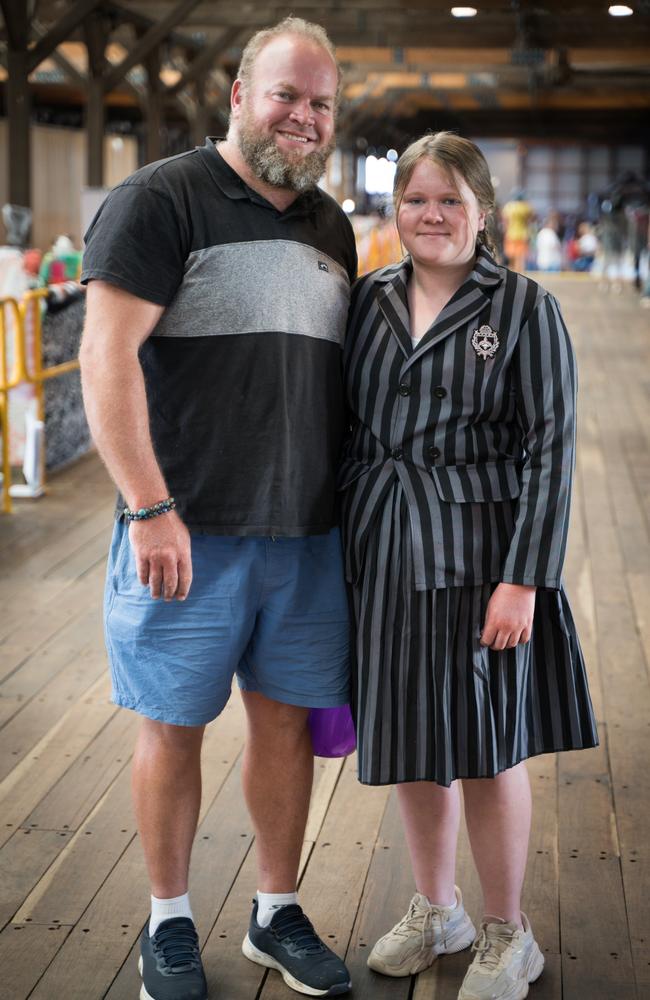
(431, 703)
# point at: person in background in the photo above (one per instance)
(455, 491)
(586, 248)
(548, 246)
(518, 216)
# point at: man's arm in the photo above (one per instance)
(117, 324)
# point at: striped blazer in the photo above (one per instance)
(477, 425)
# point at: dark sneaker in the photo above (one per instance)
(290, 945)
(170, 962)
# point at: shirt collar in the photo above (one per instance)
(234, 187)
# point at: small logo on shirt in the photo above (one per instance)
(485, 341)
(322, 266)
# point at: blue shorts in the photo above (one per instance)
(272, 611)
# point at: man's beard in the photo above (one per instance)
(275, 167)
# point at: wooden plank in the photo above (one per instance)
(229, 974)
(66, 607)
(97, 946)
(326, 777)
(30, 780)
(32, 523)
(68, 886)
(60, 546)
(23, 859)
(386, 894)
(41, 668)
(627, 696)
(596, 955)
(73, 797)
(26, 950)
(32, 723)
(540, 901)
(38, 595)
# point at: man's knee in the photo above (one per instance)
(163, 737)
(281, 720)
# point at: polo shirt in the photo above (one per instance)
(243, 370)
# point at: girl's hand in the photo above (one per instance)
(509, 616)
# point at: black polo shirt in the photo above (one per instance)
(243, 370)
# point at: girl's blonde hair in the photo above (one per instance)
(453, 154)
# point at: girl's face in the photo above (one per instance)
(437, 220)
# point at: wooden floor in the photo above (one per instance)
(73, 893)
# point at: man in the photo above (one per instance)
(218, 291)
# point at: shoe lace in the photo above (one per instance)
(291, 924)
(415, 919)
(491, 948)
(178, 946)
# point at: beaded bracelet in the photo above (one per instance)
(162, 507)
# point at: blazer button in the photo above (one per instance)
(433, 452)
(397, 454)
(404, 389)
(440, 392)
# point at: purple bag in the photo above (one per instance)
(332, 731)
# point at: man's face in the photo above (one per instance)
(285, 116)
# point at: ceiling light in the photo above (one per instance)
(464, 11)
(620, 10)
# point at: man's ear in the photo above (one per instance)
(236, 97)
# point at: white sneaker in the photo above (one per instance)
(425, 932)
(507, 960)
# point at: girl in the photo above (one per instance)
(455, 492)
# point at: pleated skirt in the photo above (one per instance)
(431, 703)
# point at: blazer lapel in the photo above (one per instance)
(470, 300)
(394, 305)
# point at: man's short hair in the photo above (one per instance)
(288, 26)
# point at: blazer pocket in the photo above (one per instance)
(482, 483)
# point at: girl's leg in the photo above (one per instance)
(498, 813)
(431, 814)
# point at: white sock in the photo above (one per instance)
(269, 902)
(445, 906)
(164, 909)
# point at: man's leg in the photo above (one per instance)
(277, 778)
(166, 784)
(166, 787)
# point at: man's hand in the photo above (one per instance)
(163, 555)
(509, 616)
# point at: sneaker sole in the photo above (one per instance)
(533, 972)
(144, 995)
(376, 963)
(261, 958)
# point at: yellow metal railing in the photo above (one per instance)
(27, 367)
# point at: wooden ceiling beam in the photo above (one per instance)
(204, 60)
(139, 20)
(60, 31)
(149, 41)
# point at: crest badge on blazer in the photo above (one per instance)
(485, 341)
